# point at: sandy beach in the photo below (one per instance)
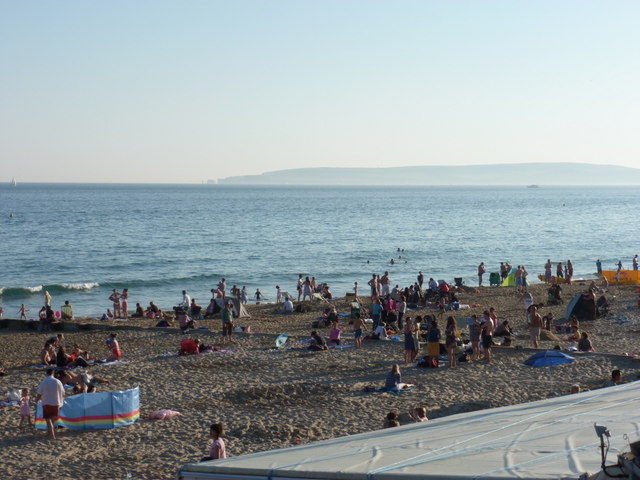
(270, 399)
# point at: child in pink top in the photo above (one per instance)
(217, 449)
(334, 334)
(25, 407)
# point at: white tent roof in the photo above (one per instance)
(547, 439)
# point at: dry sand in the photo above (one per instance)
(270, 399)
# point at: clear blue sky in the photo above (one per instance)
(184, 91)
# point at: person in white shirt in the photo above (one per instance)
(288, 305)
(186, 300)
(51, 392)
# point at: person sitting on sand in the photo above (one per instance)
(380, 333)
(317, 342)
(288, 305)
(334, 334)
(63, 359)
(139, 311)
(107, 316)
(153, 311)
(616, 379)
(584, 344)
(184, 320)
(114, 348)
(503, 330)
(82, 382)
(48, 355)
(419, 414)
(78, 353)
(391, 420)
(189, 346)
(394, 380)
(217, 449)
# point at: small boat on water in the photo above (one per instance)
(13, 182)
(533, 186)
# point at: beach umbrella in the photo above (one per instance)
(548, 358)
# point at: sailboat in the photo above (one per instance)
(13, 182)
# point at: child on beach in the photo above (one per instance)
(25, 408)
(334, 334)
(217, 449)
(114, 347)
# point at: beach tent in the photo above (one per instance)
(582, 306)
(238, 308)
(548, 358)
(510, 280)
(96, 411)
(547, 439)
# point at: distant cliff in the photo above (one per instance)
(506, 174)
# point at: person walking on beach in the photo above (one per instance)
(358, 327)
(115, 298)
(51, 392)
(244, 296)
(481, 271)
(23, 312)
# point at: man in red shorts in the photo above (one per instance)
(51, 392)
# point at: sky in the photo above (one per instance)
(133, 91)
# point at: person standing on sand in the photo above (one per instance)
(599, 266)
(244, 296)
(384, 284)
(569, 271)
(481, 271)
(124, 303)
(374, 287)
(51, 392)
(299, 287)
(535, 325)
(23, 312)
(227, 322)
(278, 294)
(486, 332)
(547, 271)
(559, 273)
(450, 335)
(115, 298)
(420, 279)
(217, 450)
(635, 262)
(47, 299)
(358, 327)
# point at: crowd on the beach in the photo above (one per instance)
(384, 314)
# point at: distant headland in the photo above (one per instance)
(525, 174)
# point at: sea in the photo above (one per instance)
(80, 241)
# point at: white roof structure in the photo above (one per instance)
(547, 439)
